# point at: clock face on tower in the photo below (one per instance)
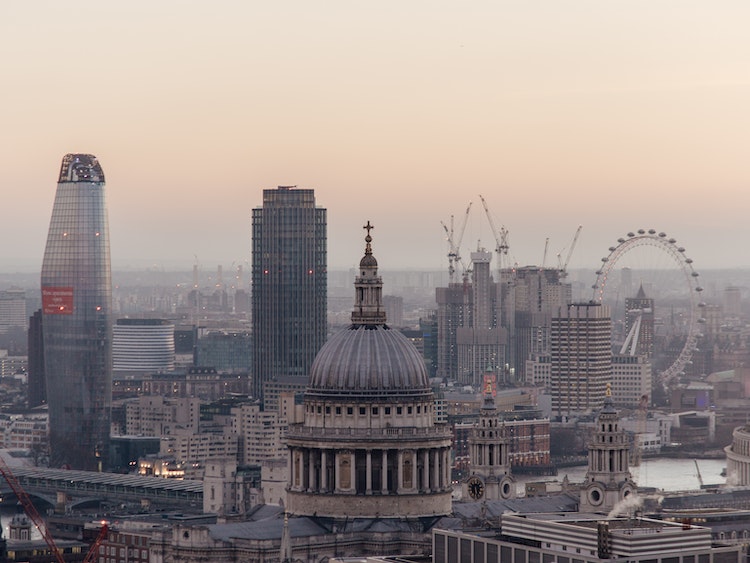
(476, 488)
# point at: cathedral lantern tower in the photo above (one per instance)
(608, 479)
(490, 477)
(369, 446)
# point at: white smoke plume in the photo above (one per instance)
(626, 506)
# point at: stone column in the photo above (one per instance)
(446, 469)
(368, 477)
(337, 473)
(311, 470)
(435, 470)
(290, 467)
(425, 470)
(400, 472)
(323, 471)
(414, 484)
(384, 474)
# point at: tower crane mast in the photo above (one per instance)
(501, 236)
(454, 243)
(563, 266)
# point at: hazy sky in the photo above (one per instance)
(616, 115)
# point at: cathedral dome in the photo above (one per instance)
(369, 360)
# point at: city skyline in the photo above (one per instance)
(558, 114)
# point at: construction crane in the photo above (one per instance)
(698, 470)
(563, 266)
(501, 236)
(33, 514)
(454, 242)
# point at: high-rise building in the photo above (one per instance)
(143, 345)
(13, 309)
(290, 284)
(77, 317)
(581, 358)
(37, 393)
(480, 343)
(533, 295)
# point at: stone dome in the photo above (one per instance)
(369, 361)
(368, 261)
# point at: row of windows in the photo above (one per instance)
(363, 410)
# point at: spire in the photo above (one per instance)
(368, 306)
(285, 555)
(641, 293)
(609, 405)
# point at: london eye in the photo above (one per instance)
(672, 275)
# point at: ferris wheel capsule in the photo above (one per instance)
(631, 235)
(651, 231)
(641, 232)
(662, 234)
(620, 240)
(672, 240)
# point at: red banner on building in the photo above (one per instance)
(57, 300)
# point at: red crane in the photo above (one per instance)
(32, 513)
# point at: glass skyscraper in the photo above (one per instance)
(290, 285)
(77, 317)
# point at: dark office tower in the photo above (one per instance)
(77, 317)
(289, 284)
(36, 395)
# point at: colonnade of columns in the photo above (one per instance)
(488, 454)
(608, 460)
(369, 471)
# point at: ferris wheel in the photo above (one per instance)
(684, 279)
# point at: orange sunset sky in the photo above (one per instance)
(616, 115)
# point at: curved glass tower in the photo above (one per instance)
(77, 317)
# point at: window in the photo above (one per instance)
(362, 411)
(375, 411)
(350, 410)
(387, 410)
(328, 410)
(399, 410)
(408, 410)
(338, 410)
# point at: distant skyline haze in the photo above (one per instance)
(612, 115)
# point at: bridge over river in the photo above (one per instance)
(77, 487)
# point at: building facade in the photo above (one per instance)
(289, 273)
(140, 345)
(534, 295)
(581, 358)
(13, 310)
(77, 317)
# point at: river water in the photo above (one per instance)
(667, 474)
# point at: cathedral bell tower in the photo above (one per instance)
(608, 479)
(490, 477)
